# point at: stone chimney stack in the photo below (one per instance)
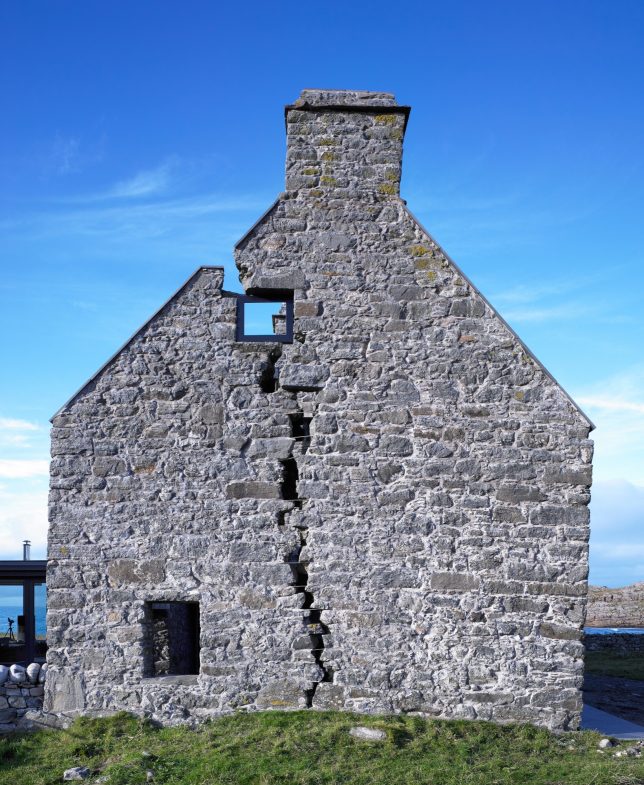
(340, 142)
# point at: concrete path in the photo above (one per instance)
(609, 724)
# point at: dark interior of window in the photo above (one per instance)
(172, 638)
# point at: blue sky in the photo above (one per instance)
(140, 140)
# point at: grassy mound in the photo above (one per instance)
(608, 663)
(313, 748)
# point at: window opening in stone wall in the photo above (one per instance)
(172, 639)
(40, 616)
(12, 623)
(265, 319)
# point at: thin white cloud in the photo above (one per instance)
(12, 424)
(108, 218)
(617, 533)
(22, 468)
(546, 314)
(610, 404)
(553, 301)
(147, 183)
(69, 154)
(17, 433)
(65, 154)
(616, 406)
(23, 515)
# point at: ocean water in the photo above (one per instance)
(612, 630)
(13, 609)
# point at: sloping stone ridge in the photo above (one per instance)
(399, 526)
(623, 607)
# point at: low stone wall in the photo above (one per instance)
(616, 643)
(21, 689)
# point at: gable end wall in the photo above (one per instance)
(399, 523)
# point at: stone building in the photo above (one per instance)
(380, 507)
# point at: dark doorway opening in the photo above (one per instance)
(172, 639)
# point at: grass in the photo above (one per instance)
(624, 666)
(313, 748)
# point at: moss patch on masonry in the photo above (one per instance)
(387, 188)
(386, 119)
(423, 264)
(419, 250)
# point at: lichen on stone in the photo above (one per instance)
(419, 250)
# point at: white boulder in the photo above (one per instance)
(77, 773)
(4, 673)
(43, 673)
(17, 674)
(33, 671)
(368, 734)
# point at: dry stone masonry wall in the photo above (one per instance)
(388, 514)
(21, 690)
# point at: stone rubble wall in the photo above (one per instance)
(21, 690)
(615, 643)
(623, 607)
(387, 515)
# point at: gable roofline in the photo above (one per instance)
(259, 221)
(136, 334)
(525, 348)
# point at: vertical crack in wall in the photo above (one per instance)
(299, 568)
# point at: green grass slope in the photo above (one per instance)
(313, 748)
(624, 666)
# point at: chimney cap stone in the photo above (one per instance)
(316, 97)
(318, 100)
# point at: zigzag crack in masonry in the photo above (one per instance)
(268, 381)
(316, 629)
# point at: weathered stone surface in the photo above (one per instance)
(560, 632)
(367, 734)
(281, 695)
(303, 377)
(17, 674)
(33, 671)
(454, 581)
(403, 485)
(76, 773)
(253, 490)
(64, 690)
(614, 607)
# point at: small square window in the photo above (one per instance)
(171, 645)
(264, 319)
